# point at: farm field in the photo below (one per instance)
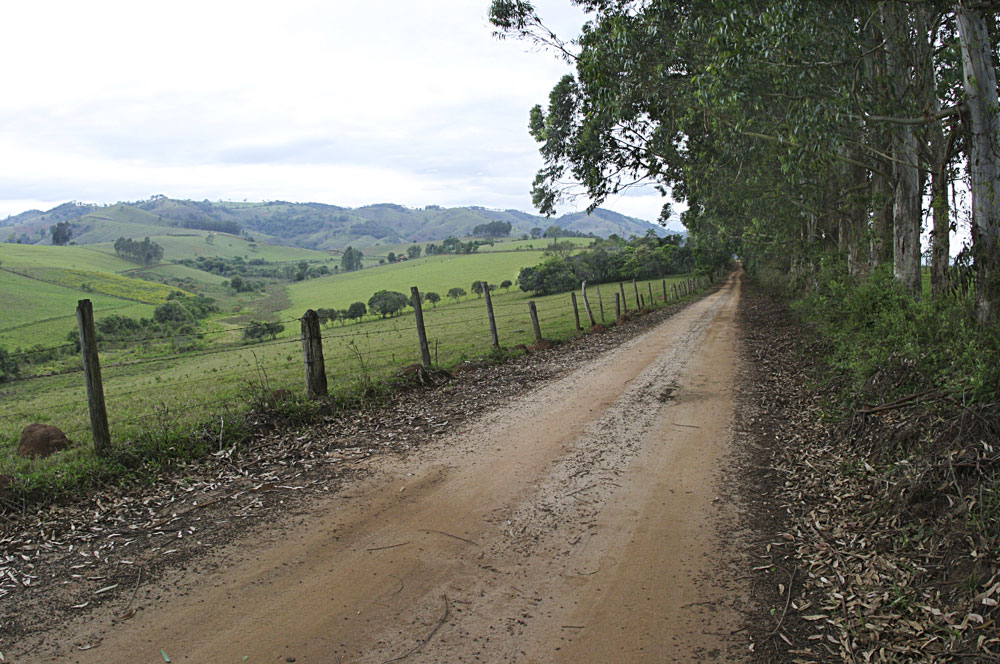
(36, 312)
(372, 254)
(152, 392)
(431, 273)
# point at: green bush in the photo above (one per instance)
(888, 342)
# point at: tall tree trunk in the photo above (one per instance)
(881, 249)
(979, 79)
(940, 235)
(906, 214)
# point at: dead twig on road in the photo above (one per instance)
(391, 546)
(441, 532)
(427, 638)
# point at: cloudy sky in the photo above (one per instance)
(335, 101)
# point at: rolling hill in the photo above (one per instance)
(307, 225)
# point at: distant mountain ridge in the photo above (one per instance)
(309, 225)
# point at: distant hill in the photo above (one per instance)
(307, 225)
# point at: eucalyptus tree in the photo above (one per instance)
(792, 128)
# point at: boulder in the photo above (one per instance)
(41, 440)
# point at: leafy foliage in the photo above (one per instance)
(146, 252)
(351, 260)
(387, 303)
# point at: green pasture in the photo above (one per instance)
(190, 243)
(37, 312)
(373, 254)
(432, 273)
(102, 259)
(154, 392)
(104, 283)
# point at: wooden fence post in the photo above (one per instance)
(92, 374)
(650, 284)
(664, 291)
(635, 285)
(624, 304)
(489, 310)
(600, 302)
(418, 311)
(312, 351)
(618, 306)
(642, 302)
(534, 321)
(586, 305)
(576, 310)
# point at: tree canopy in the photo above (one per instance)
(793, 129)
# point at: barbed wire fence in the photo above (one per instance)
(137, 392)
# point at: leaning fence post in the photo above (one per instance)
(489, 310)
(624, 304)
(635, 285)
(600, 302)
(425, 351)
(534, 321)
(576, 310)
(664, 291)
(92, 374)
(650, 285)
(642, 301)
(618, 306)
(586, 305)
(312, 351)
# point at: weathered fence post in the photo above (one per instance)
(600, 302)
(92, 374)
(635, 285)
(624, 304)
(489, 310)
(418, 311)
(312, 351)
(586, 305)
(534, 321)
(642, 302)
(664, 291)
(618, 306)
(650, 285)
(576, 310)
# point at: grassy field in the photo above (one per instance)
(152, 395)
(373, 254)
(36, 312)
(94, 257)
(432, 273)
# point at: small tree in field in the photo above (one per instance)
(456, 293)
(506, 284)
(433, 298)
(357, 310)
(477, 287)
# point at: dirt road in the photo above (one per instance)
(582, 523)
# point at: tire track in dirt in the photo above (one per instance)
(580, 523)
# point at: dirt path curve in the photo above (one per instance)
(582, 523)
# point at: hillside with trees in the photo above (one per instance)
(307, 225)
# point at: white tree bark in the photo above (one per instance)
(979, 79)
(906, 214)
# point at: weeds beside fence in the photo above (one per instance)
(163, 401)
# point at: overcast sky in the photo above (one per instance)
(340, 102)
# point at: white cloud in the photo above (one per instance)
(340, 102)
